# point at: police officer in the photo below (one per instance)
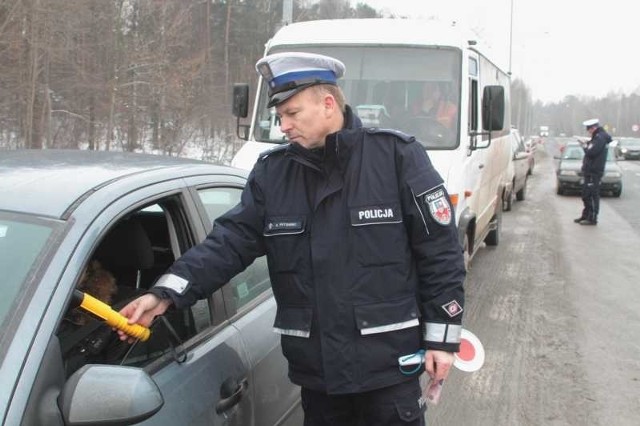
(362, 248)
(595, 157)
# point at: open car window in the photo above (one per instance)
(128, 260)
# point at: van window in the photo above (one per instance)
(392, 97)
(473, 105)
(473, 67)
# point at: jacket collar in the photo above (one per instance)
(336, 145)
(340, 142)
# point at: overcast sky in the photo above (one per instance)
(560, 47)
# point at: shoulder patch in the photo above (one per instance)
(281, 148)
(439, 207)
(397, 133)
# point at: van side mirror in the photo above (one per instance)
(240, 108)
(493, 108)
(492, 116)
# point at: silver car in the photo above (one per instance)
(569, 177)
(109, 224)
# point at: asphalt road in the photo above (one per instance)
(557, 307)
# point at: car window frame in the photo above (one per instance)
(133, 201)
(122, 212)
(231, 310)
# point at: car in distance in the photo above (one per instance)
(628, 148)
(518, 170)
(110, 224)
(569, 177)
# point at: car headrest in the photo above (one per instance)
(126, 246)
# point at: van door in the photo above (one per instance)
(477, 163)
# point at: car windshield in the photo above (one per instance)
(573, 153)
(577, 153)
(22, 242)
(390, 96)
(628, 143)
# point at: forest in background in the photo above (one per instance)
(140, 75)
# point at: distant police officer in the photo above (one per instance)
(595, 157)
(362, 248)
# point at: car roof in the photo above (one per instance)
(49, 182)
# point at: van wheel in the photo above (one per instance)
(493, 237)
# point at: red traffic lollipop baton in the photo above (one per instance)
(111, 317)
(471, 355)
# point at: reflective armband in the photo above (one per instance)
(172, 282)
(442, 333)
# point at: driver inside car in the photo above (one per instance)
(83, 338)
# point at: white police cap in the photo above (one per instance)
(288, 73)
(591, 122)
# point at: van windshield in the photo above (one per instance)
(413, 89)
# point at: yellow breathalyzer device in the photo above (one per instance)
(111, 317)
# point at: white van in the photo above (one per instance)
(388, 61)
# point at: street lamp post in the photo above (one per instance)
(510, 36)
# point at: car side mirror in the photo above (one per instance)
(106, 394)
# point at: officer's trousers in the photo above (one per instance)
(591, 197)
(397, 405)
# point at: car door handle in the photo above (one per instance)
(481, 166)
(231, 392)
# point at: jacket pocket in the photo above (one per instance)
(410, 410)
(287, 242)
(384, 317)
(379, 236)
(293, 321)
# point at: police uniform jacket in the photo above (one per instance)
(363, 256)
(595, 153)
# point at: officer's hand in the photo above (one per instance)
(142, 311)
(438, 364)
